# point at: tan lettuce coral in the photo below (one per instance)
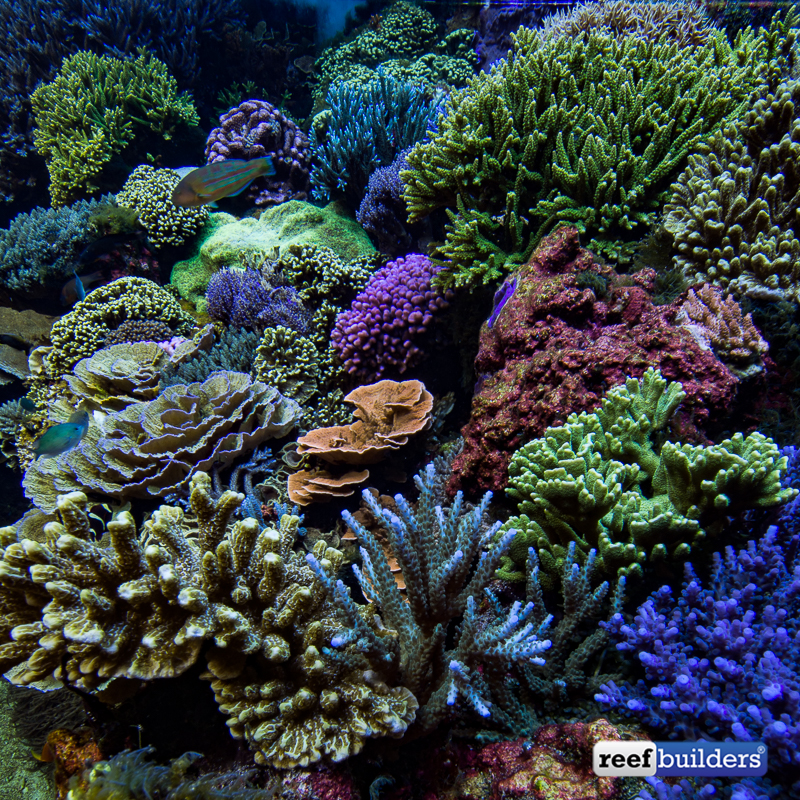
(388, 413)
(140, 605)
(117, 376)
(320, 486)
(151, 448)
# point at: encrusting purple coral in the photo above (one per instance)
(243, 298)
(723, 661)
(255, 129)
(384, 326)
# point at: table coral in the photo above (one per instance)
(150, 448)
(91, 111)
(117, 376)
(719, 324)
(734, 210)
(560, 335)
(320, 486)
(721, 660)
(148, 191)
(387, 414)
(601, 481)
(509, 165)
(388, 323)
(83, 331)
(141, 606)
(255, 129)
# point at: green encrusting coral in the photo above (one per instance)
(586, 130)
(91, 111)
(602, 481)
(735, 211)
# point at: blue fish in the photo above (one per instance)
(60, 438)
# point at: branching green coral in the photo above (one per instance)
(735, 211)
(601, 482)
(587, 130)
(148, 191)
(90, 111)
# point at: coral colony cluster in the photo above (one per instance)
(399, 414)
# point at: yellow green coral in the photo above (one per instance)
(587, 130)
(601, 482)
(289, 362)
(83, 331)
(148, 191)
(91, 111)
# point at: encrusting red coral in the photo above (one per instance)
(572, 329)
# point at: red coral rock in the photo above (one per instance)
(323, 783)
(573, 329)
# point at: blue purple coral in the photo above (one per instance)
(501, 297)
(724, 661)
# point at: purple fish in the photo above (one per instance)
(501, 297)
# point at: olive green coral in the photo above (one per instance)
(148, 191)
(587, 130)
(83, 331)
(91, 111)
(735, 211)
(289, 362)
(601, 481)
(140, 605)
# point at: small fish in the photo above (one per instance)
(60, 438)
(27, 404)
(220, 179)
(74, 289)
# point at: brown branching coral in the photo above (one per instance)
(388, 413)
(83, 331)
(717, 322)
(141, 605)
(150, 448)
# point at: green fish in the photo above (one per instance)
(60, 438)
(220, 179)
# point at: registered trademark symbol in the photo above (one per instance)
(762, 749)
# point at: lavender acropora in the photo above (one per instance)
(724, 661)
(387, 321)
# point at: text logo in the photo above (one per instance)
(684, 759)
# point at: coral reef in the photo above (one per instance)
(148, 192)
(563, 330)
(365, 127)
(719, 324)
(289, 362)
(386, 328)
(83, 331)
(387, 414)
(720, 661)
(255, 129)
(139, 330)
(508, 166)
(601, 481)
(734, 209)
(320, 486)
(88, 113)
(151, 448)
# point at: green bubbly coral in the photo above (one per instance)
(735, 211)
(93, 109)
(289, 362)
(586, 130)
(602, 482)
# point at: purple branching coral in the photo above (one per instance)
(255, 129)
(724, 661)
(387, 321)
(245, 299)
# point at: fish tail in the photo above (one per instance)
(268, 166)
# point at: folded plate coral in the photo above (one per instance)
(150, 448)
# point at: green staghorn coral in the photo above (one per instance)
(91, 111)
(735, 211)
(587, 130)
(602, 482)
